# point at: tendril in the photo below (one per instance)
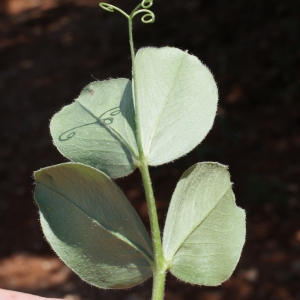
(148, 16)
(111, 8)
(147, 3)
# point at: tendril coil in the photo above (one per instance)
(148, 15)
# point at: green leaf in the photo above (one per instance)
(177, 101)
(205, 230)
(92, 226)
(98, 128)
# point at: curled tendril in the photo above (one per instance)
(147, 3)
(148, 16)
(111, 8)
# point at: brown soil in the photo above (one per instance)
(49, 50)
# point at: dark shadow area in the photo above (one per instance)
(3, 6)
(48, 55)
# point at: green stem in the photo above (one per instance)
(159, 268)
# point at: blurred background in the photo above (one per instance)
(51, 49)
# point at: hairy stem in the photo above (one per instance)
(159, 268)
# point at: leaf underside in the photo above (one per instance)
(86, 218)
(177, 101)
(92, 226)
(205, 230)
(97, 129)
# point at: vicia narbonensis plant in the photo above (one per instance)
(115, 126)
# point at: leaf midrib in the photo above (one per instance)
(165, 104)
(119, 236)
(110, 129)
(199, 224)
